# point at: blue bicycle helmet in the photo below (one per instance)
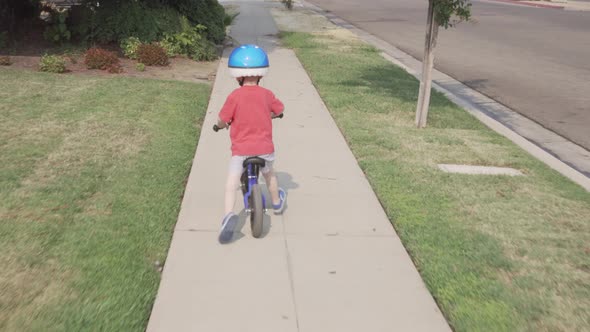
(248, 60)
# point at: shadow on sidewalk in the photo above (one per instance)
(286, 181)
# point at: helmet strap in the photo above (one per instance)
(258, 82)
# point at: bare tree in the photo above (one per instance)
(445, 13)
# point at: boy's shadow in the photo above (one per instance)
(286, 182)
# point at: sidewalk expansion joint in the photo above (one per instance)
(196, 230)
(340, 235)
(290, 272)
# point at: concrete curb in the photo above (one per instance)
(561, 5)
(530, 3)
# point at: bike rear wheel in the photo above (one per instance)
(257, 211)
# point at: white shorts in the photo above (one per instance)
(236, 163)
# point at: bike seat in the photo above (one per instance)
(254, 161)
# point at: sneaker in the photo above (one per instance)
(228, 226)
(278, 209)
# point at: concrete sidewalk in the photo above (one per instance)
(332, 262)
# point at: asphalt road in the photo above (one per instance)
(536, 61)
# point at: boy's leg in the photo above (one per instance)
(277, 194)
(273, 186)
(231, 186)
(230, 220)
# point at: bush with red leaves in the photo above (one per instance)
(152, 55)
(97, 58)
(115, 69)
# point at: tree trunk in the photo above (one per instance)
(427, 64)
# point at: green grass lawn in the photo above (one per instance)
(498, 253)
(92, 172)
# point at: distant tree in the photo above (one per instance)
(445, 13)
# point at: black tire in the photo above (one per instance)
(257, 211)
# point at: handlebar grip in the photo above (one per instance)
(280, 116)
(216, 128)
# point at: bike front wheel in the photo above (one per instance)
(257, 211)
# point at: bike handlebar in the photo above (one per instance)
(216, 128)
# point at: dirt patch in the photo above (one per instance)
(179, 68)
(27, 289)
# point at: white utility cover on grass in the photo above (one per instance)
(486, 170)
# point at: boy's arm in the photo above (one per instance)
(226, 114)
(277, 106)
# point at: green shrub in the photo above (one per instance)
(5, 60)
(140, 67)
(113, 21)
(191, 43)
(229, 18)
(147, 20)
(205, 12)
(152, 55)
(58, 31)
(129, 46)
(52, 64)
(170, 45)
(97, 58)
(185, 24)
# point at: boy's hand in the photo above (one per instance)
(216, 128)
(220, 125)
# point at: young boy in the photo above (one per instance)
(248, 109)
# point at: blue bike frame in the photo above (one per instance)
(252, 172)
